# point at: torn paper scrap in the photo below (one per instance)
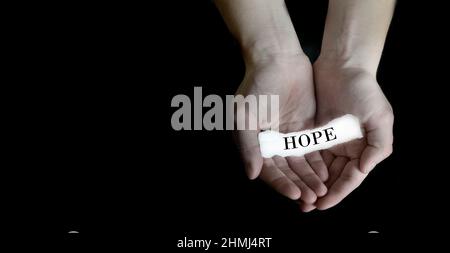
(337, 131)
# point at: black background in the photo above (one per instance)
(99, 82)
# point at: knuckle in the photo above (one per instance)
(388, 150)
(388, 116)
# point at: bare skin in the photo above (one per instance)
(342, 81)
(291, 78)
(359, 94)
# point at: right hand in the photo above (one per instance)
(291, 78)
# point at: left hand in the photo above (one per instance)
(340, 91)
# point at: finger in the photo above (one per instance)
(307, 195)
(251, 155)
(335, 169)
(275, 178)
(318, 165)
(305, 207)
(304, 171)
(327, 157)
(350, 178)
(379, 143)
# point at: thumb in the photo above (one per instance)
(379, 143)
(251, 155)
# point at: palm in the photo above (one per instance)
(349, 91)
(292, 80)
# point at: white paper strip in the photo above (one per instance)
(337, 131)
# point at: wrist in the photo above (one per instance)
(337, 71)
(333, 61)
(276, 48)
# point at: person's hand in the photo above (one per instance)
(291, 78)
(354, 31)
(339, 91)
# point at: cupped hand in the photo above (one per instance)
(291, 78)
(339, 91)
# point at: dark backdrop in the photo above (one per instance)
(112, 168)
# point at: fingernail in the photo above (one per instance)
(250, 173)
